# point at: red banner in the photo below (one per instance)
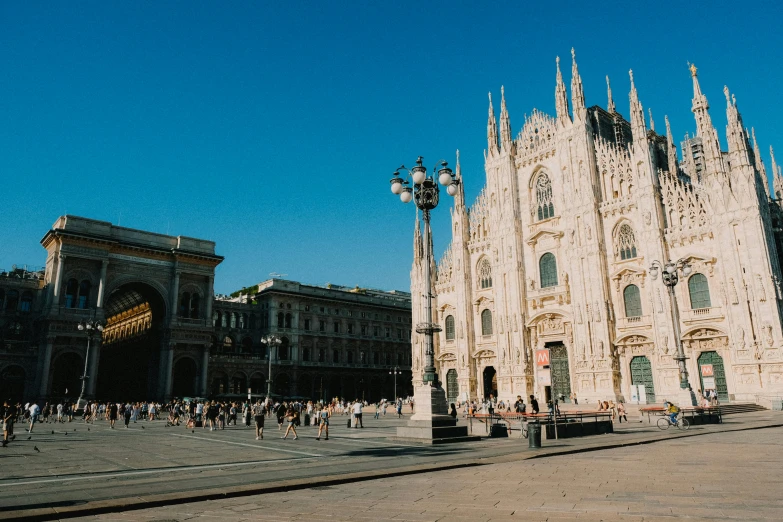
(542, 357)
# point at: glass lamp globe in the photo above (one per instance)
(396, 187)
(452, 189)
(406, 196)
(100, 327)
(81, 326)
(445, 177)
(686, 270)
(654, 272)
(419, 175)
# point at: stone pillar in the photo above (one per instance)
(59, 277)
(102, 283)
(174, 297)
(45, 365)
(204, 368)
(208, 297)
(168, 371)
(92, 368)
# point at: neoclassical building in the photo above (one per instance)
(546, 286)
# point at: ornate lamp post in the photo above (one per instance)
(670, 273)
(93, 328)
(396, 371)
(425, 194)
(271, 341)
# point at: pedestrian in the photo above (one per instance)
(291, 415)
(453, 411)
(280, 412)
(533, 405)
(357, 414)
(247, 412)
(34, 410)
(323, 425)
(621, 412)
(399, 408)
(7, 414)
(127, 414)
(112, 414)
(258, 416)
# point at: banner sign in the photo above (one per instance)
(542, 357)
(706, 370)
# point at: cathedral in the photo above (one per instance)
(547, 287)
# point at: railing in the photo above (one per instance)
(690, 411)
(634, 322)
(700, 314)
(510, 419)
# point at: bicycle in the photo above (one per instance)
(664, 423)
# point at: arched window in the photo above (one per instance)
(195, 303)
(233, 323)
(26, 304)
(224, 320)
(228, 344)
(242, 321)
(485, 274)
(633, 301)
(699, 291)
(71, 291)
(84, 294)
(288, 319)
(336, 356)
(280, 319)
(350, 357)
(547, 270)
(450, 328)
(625, 242)
(216, 318)
(486, 322)
(184, 304)
(544, 202)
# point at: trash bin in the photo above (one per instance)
(534, 435)
(498, 430)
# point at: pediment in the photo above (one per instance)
(543, 235)
(694, 259)
(633, 338)
(629, 275)
(482, 300)
(484, 354)
(447, 356)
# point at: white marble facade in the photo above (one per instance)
(555, 253)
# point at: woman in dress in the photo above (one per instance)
(291, 416)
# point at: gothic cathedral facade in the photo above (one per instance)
(546, 286)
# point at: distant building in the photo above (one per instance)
(167, 335)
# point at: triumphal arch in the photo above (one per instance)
(154, 294)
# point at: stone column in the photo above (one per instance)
(208, 297)
(102, 283)
(92, 369)
(174, 297)
(45, 365)
(58, 278)
(168, 370)
(204, 368)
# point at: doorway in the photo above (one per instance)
(490, 382)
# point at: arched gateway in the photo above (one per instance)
(153, 293)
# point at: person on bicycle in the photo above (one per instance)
(672, 411)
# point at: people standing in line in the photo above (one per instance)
(533, 405)
(258, 416)
(357, 414)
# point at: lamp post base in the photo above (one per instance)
(685, 397)
(431, 422)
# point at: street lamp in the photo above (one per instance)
(670, 273)
(93, 328)
(425, 194)
(270, 340)
(396, 371)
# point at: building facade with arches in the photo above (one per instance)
(545, 287)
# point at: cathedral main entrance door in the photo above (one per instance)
(452, 387)
(641, 374)
(716, 381)
(561, 376)
(490, 382)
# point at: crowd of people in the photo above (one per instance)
(203, 414)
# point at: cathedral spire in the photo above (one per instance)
(704, 128)
(638, 128)
(610, 105)
(735, 132)
(418, 245)
(759, 162)
(492, 128)
(652, 122)
(561, 97)
(671, 150)
(459, 199)
(505, 124)
(777, 176)
(577, 91)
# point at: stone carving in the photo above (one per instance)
(760, 292)
(740, 338)
(659, 300)
(571, 235)
(733, 292)
(518, 356)
(647, 218)
(596, 313)
(601, 353)
(767, 329)
(778, 292)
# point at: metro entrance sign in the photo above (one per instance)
(706, 370)
(542, 357)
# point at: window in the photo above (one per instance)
(195, 302)
(336, 311)
(307, 324)
(388, 332)
(307, 308)
(322, 309)
(2, 298)
(388, 359)
(224, 320)
(399, 318)
(388, 318)
(544, 205)
(350, 313)
(84, 294)
(376, 331)
(228, 344)
(450, 328)
(399, 333)
(699, 291)
(626, 242)
(26, 304)
(12, 300)
(280, 319)
(486, 322)
(364, 329)
(184, 304)
(335, 356)
(399, 359)
(485, 274)
(633, 301)
(321, 355)
(306, 354)
(321, 325)
(350, 328)
(71, 291)
(288, 319)
(282, 351)
(336, 327)
(233, 323)
(376, 358)
(350, 357)
(364, 315)
(547, 269)
(243, 321)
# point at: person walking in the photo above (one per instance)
(533, 405)
(399, 408)
(127, 414)
(258, 416)
(377, 411)
(34, 410)
(323, 425)
(357, 414)
(291, 416)
(621, 412)
(112, 414)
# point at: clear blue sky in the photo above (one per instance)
(272, 128)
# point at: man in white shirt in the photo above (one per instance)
(34, 410)
(357, 413)
(60, 412)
